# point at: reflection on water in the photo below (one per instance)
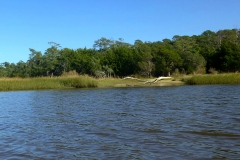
(185, 122)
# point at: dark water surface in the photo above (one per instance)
(185, 122)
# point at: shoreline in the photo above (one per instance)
(46, 83)
(158, 84)
(121, 83)
(19, 84)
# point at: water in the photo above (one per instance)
(184, 122)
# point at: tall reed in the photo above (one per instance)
(7, 84)
(78, 82)
(231, 78)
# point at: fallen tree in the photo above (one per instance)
(149, 81)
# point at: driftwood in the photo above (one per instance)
(129, 78)
(149, 81)
(135, 79)
(157, 79)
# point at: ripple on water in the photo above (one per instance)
(186, 122)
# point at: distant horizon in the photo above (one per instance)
(77, 24)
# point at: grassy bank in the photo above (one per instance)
(64, 82)
(231, 78)
(8, 84)
(114, 82)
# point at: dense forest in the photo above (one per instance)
(206, 53)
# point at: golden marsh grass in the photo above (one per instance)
(76, 81)
(230, 78)
(8, 84)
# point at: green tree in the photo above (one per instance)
(166, 59)
(188, 50)
(84, 61)
(145, 64)
(124, 62)
(3, 70)
(65, 58)
(103, 43)
(227, 58)
(35, 63)
(120, 43)
(20, 70)
(208, 46)
(50, 59)
(8, 69)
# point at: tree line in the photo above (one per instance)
(205, 53)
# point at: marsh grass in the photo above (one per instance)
(114, 82)
(230, 78)
(8, 84)
(78, 82)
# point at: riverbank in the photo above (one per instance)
(205, 79)
(108, 83)
(10, 84)
(208, 79)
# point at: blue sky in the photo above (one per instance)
(76, 24)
